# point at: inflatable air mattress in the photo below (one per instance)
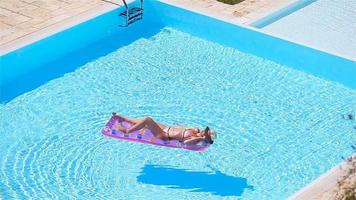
(146, 136)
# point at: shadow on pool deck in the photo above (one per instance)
(216, 183)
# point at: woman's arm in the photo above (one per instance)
(193, 140)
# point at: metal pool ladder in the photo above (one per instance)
(132, 14)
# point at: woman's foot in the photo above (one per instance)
(119, 117)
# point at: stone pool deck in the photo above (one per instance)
(242, 13)
(324, 187)
(25, 21)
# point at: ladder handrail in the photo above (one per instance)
(128, 13)
(128, 6)
(125, 4)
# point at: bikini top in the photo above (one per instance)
(189, 134)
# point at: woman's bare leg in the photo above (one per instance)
(131, 120)
(150, 124)
(136, 120)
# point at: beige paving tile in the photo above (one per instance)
(59, 11)
(84, 8)
(13, 19)
(59, 18)
(39, 13)
(4, 11)
(31, 11)
(38, 20)
(4, 29)
(15, 33)
(50, 21)
(28, 1)
(12, 4)
(44, 4)
(242, 13)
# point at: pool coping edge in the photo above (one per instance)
(324, 186)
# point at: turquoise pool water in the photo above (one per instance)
(278, 128)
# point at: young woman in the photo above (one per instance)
(183, 133)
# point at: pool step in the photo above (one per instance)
(132, 14)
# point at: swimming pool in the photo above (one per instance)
(324, 24)
(283, 12)
(279, 128)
